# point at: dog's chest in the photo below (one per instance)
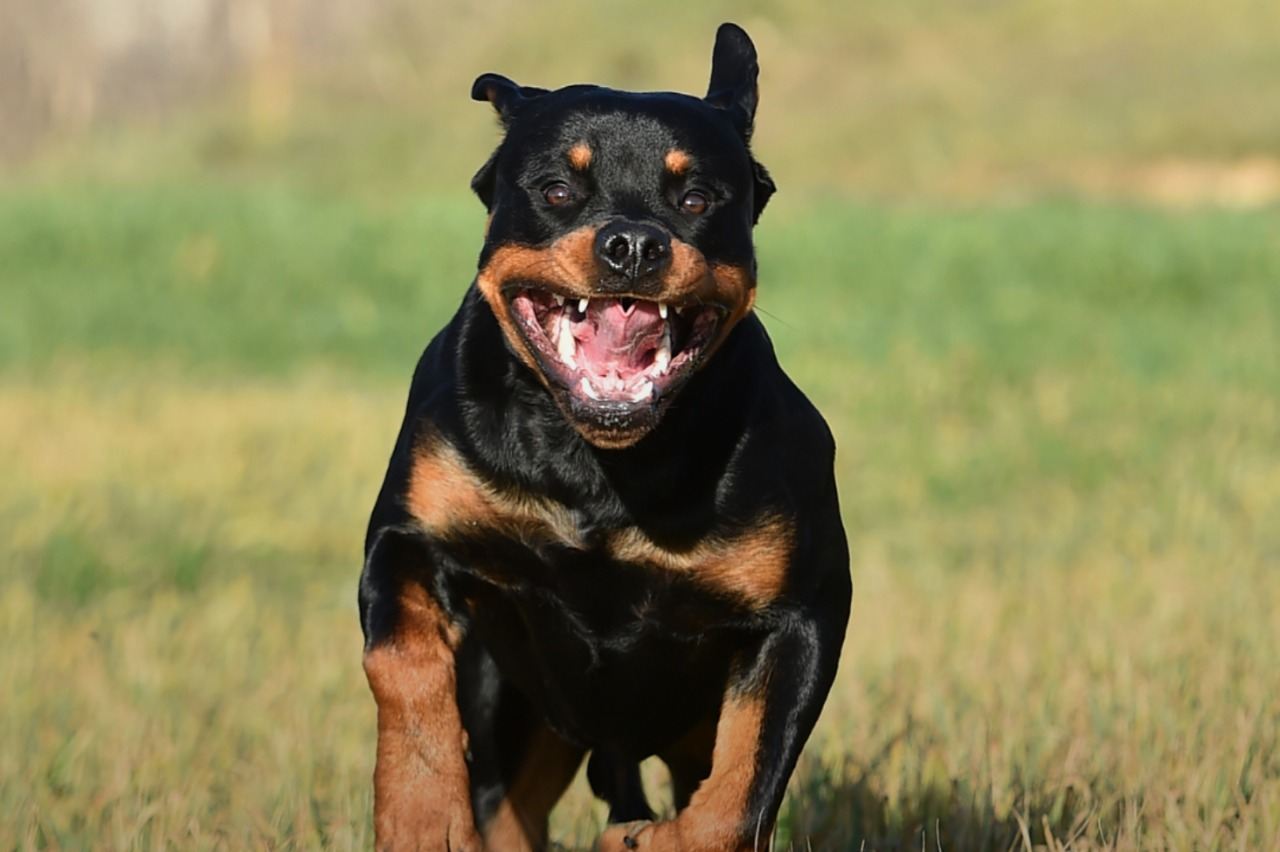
(531, 544)
(601, 626)
(613, 653)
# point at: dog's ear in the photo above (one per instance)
(485, 180)
(763, 188)
(734, 88)
(734, 70)
(507, 97)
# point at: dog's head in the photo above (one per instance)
(618, 254)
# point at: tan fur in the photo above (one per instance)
(421, 787)
(718, 807)
(567, 265)
(443, 494)
(692, 279)
(713, 821)
(580, 156)
(677, 161)
(689, 760)
(751, 567)
(451, 501)
(520, 824)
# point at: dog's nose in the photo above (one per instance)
(633, 251)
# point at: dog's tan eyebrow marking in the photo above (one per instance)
(580, 156)
(677, 161)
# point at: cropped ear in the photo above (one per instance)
(507, 97)
(734, 70)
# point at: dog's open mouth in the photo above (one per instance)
(614, 350)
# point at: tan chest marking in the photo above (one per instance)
(452, 502)
(751, 566)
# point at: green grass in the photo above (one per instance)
(1059, 429)
(261, 281)
(272, 281)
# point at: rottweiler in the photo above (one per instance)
(609, 527)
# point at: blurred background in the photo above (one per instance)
(1025, 256)
(958, 100)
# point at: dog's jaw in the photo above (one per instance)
(612, 363)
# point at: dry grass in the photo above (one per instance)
(181, 658)
(1113, 687)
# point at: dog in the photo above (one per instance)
(609, 527)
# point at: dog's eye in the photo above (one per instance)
(557, 193)
(695, 203)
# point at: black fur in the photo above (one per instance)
(621, 659)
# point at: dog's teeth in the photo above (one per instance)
(662, 358)
(582, 305)
(566, 346)
(588, 389)
(662, 309)
(559, 300)
(643, 392)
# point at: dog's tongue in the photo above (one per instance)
(614, 339)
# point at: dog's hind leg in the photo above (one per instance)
(616, 779)
(519, 767)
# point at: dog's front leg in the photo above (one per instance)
(767, 713)
(422, 798)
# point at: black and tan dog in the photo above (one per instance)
(609, 525)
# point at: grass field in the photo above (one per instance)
(1025, 257)
(1059, 431)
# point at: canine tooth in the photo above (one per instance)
(662, 309)
(588, 389)
(566, 346)
(662, 358)
(582, 305)
(559, 300)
